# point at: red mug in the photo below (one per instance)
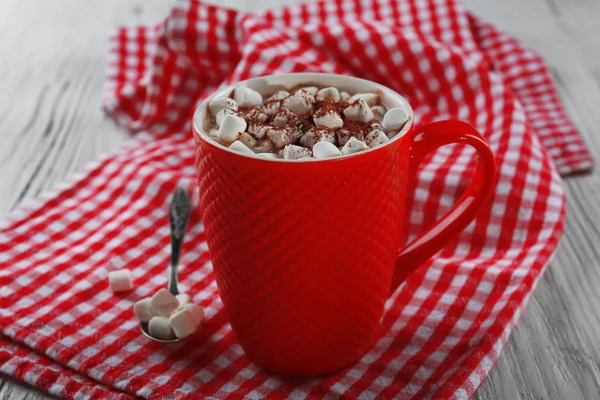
(306, 253)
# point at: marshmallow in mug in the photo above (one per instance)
(300, 103)
(317, 134)
(258, 130)
(283, 135)
(311, 89)
(329, 93)
(220, 116)
(325, 149)
(372, 99)
(221, 103)
(241, 148)
(279, 95)
(359, 111)
(378, 112)
(264, 146)
(247, 139)
(246, 97)
(231, 127)
(293, 152)
(395, 118)
(354, 146)
(328, 117)
(375, 138)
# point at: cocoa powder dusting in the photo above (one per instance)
(324, 107)
(284, 126)
(371, 126)
(353, 126)
(303, 123)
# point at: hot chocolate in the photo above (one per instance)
(308, 123)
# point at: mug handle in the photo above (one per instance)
(428, 138)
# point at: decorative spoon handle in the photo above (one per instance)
(178, 217)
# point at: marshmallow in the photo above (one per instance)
(267, 155)
(241, 148)
(257, 115)
(324, 149)
(279, 95)
(358, 111)
(160, 328)
(373, 126)
(183, 323)
(317, 134)
(302, 123)
(271, 107)
(284, 135)
(395, 118)
(375, 138)
(347, 131)
(220, 103)
(183, 299)
(143, 310)
(378, 111)
(258, 129)
(344, 96)
(293, 152)
(283, 117)
(328, 117)
(231, 127)
(164, 302)
(264, 146)
(328, 93)
(212, 132)
(300, 103)
(392, 134)
(370, 98)
(222, 114)
(311, 89)
(120, 280)
(246, 97)
(353, 146)
(196, 311)
(247, 139)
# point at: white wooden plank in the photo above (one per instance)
(11, 390)
(553, 353)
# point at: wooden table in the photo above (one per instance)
(51, 124)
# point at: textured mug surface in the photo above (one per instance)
(304, 252)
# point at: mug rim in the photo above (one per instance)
(297, 79)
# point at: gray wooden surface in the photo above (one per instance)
(52, 56)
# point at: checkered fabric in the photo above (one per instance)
(65, 332)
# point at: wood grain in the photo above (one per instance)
(51, 124)
(554, 352)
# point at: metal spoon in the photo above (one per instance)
(178, 217)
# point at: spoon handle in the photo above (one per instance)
(178, 217)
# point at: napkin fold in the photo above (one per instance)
(65, 332)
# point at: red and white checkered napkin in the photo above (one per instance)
(65, 332)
